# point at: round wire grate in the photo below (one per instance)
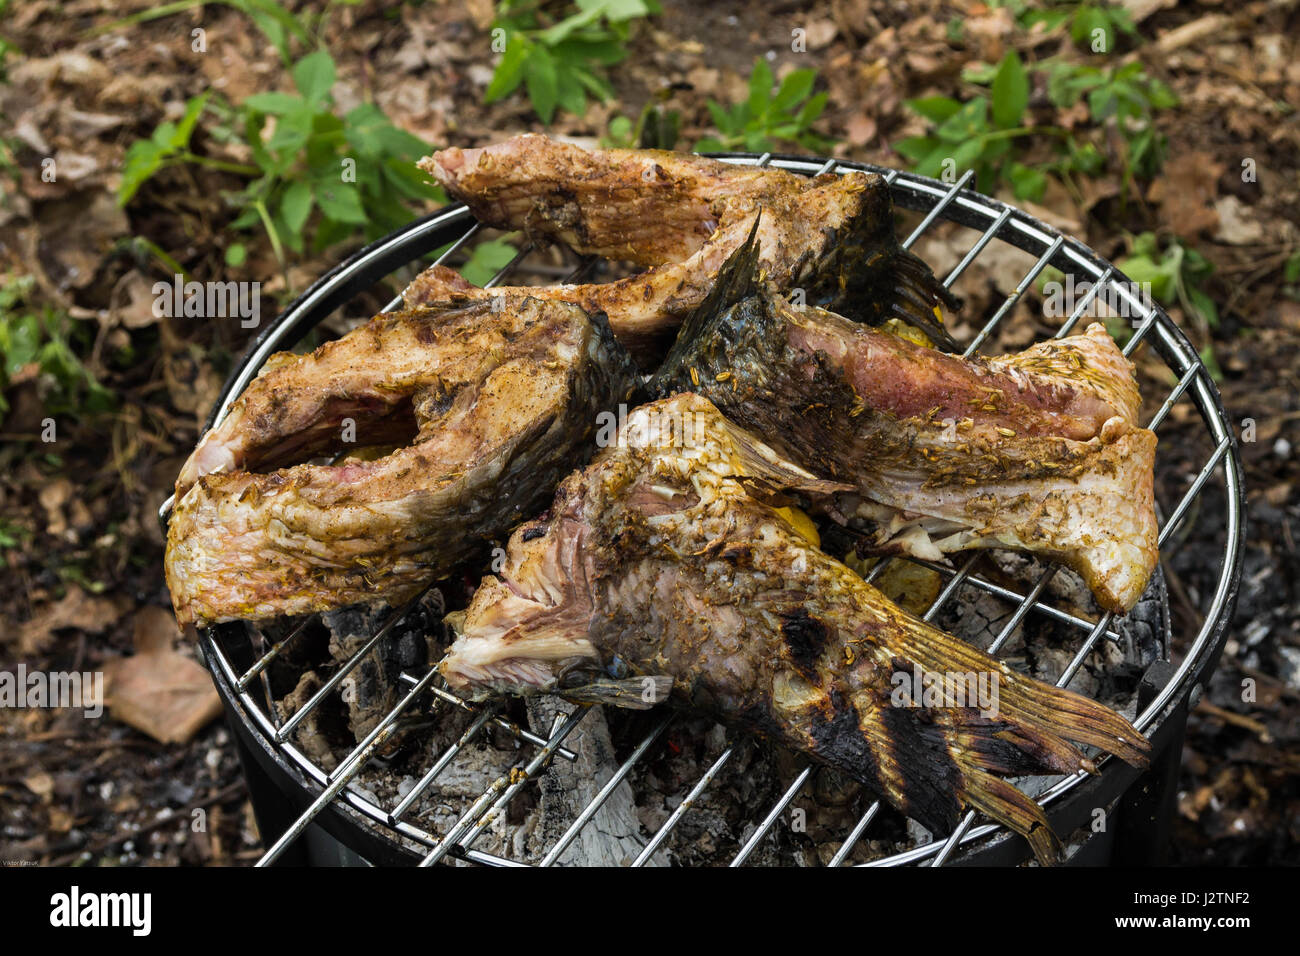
(328, 794)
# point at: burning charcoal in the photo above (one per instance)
(319, 727)
(372, 689)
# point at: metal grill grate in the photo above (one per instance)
(992, 220)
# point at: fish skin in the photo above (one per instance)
(680, 216)
(489, 410)
(1038, 451)
(667, 557)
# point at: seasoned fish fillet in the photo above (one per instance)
(488, 410)
(1038, 451)
(663, 571)
(680, 216)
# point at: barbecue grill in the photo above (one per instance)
(308, 812)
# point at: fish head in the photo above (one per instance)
(527, 624)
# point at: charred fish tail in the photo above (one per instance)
(1015, 725)
(869, 277)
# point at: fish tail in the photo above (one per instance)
(1032, 703)
(1006, 724)
(934, 762)
(1000, 801)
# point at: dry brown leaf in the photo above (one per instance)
(1057, 208)
(155, 630)
(137, 308)
(52, 498)
(482, 12)
(60, 820)
(821, 33)
(78, 609)
(1192, 32)
(76, 232)
(72, 67)
(1186, 191)
(1288, 314)
(1139, 10)
(861, 129)
(161, 693)
(39, 783)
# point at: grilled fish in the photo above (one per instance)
(667, 569)
(680, 216)
(1038, 451)
(488, 410)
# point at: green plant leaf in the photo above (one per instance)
(314, 75)
(916, 147)
(794, 89)
(1203, 304)
(1143, 269)
(1026, 182)
(934, 108)
(760, 87)
(291, 134)
(570, 94)
(277, 104)
(510, 69)
(569, 25)
(812, 109)
(295, 205)
(486, 260)
(542, 83)
(277, 23)
(1291, 271)
(619, 10)
(185, 128)
(967, 123)
(981, 73)
(143, 159)
(1010, 92)
(340, 202)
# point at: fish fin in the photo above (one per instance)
(1031, 728)
(918, 298)
(764, 473)
(867, 276)
(1001, 801)
(631, 693)
(736, 279)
